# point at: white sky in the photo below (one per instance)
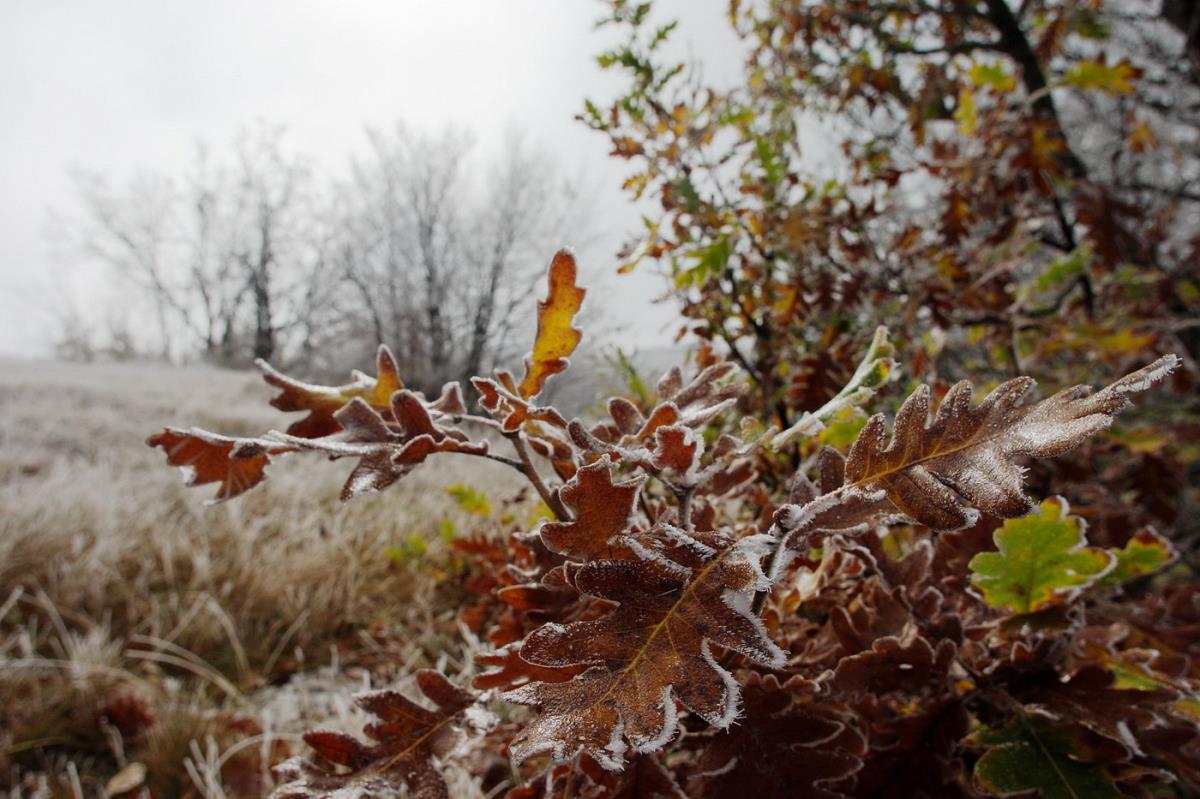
(127, 85)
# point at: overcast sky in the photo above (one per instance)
(127, 85)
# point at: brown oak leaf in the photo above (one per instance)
(389, 429)
(788, 742)
(656, 651)
(508, 670)
(1090, 698)
(385, 455)
(407, 735)
(903, 662)
(500, 399)
(968, 451)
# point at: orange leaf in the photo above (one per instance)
(322, 402)
(557, 337)
(510, 410)
(238, 464)
(1142, 138)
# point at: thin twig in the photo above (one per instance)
(476, 419)
(760, 597)
(684, 496)
(527, 468)
(507, 461)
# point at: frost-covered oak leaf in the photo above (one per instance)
(677, 453)
(557, 336)
(235, 464)
(1043, 560)
(385, 452)
(603, 511)
(322, 402)
(679, 604)
(501, 401)
(968, 451)
(387, 447)
(407, 737)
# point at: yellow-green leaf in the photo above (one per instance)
(1098, 76)
(842, 430)
(413, 547)
(1134, 678)
(968, 118)
(711, 263)
(1043, 560)
(1143, 439)
(1147, 439)
(994, 76)
(542, 511)
(1124, 341)
(470, 500)
(1064, 268)
(1145, 553)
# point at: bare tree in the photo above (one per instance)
(423, 245)
(442, 257)
(400, 221)
(527, 208)
(223, 255)
(270, 232)
(130, 231)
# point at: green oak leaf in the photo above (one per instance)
(1145, 553)
(1028, 754)
(1044, 560)
(1065, 268)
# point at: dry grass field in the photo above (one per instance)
(143, 632)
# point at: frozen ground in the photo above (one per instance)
(140, 626)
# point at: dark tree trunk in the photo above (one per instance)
(1185, 16)
(260, 285)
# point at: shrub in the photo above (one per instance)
(702, 615)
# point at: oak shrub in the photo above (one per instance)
(716, 606)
